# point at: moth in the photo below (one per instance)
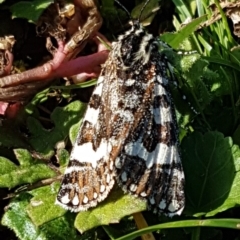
(129, 133)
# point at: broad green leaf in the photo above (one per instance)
(194, 71)
(61, 228)
(183, 66)
(17, 219)
(6, 166)
(211, 165)
(29, 171)
(116, 206)
(29, 10)
(24, 157)
(42, 206)
(44, 141)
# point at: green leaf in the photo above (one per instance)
(195, 73)
(116, 206)
(175, 39)
(29, 10)
(16, 218)
(60, 228)
(63, 157)
(44, 202)
(29, 171)
(24, 157)
(211, 165)
(63, 118)
(182, 9)
(6, 166)
(74, 131)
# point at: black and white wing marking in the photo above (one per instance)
(149, 165)
(129, 132)
(89, 175)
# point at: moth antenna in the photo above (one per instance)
(129, 15)
(143, 7)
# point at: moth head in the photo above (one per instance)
(136, 46)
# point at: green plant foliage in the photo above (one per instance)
(74, 131)
(63, 119)
(17, 219)
(175, 39)
(209, 135)
(63, 157)
(43, 201)
(30, 10)
(206, 158)
(39, 98)
(112, 210)
(29, 170)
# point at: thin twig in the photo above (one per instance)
(39, 184)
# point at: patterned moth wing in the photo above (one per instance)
(149, 164)
(90, 175)
(129, 132)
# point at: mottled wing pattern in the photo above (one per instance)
(149, 165)
(129, 132)
(89, 176)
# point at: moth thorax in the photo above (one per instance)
(147, 46)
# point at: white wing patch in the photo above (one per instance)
(86, 151)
